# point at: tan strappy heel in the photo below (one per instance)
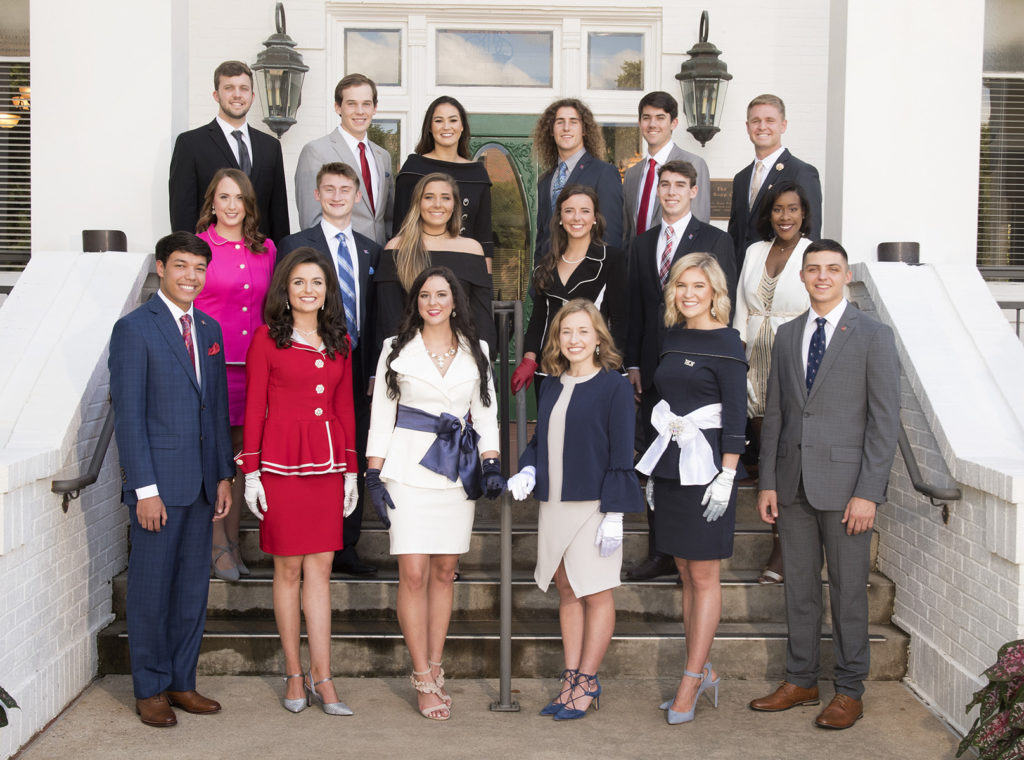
(439, 680)
(427, 686)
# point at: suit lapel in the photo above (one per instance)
(383, 159)
(581, 165)
(166, 326)
(798, 357)
(771, 177)
(847, 324)
(201, 342)
(686, 239)
(217, 135)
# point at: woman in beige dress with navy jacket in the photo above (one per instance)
(581, 462)
(434, 416)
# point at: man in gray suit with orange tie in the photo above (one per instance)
(827, 445)
(355, 101)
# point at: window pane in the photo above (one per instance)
(615, 61)
(621, 145)
(387, 133)
(377, 53)
(494, 59)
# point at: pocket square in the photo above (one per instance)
(214, 349)
(370, 271)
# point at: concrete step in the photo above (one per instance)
(638, 650)
(477, 598)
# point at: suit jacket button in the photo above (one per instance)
(320, 388)
(318, 411)
(319, 363)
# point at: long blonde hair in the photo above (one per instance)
(608, 356)
(708, 264)
(412, 257)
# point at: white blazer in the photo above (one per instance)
(422, 386)
(790, 300)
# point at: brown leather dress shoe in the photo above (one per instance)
(786, 696)
(842, 712)
(155, 711)
(193, 702)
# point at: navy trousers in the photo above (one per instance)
(168, 584)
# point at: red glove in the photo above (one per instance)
(523, 376)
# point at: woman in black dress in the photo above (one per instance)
(429, 237)
(444, 147)
(577, 265)
(700, 421)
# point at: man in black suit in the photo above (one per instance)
(228, 142)
(651, 256)
(766, 123)
(337, 191)
(568, 140)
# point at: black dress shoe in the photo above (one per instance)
(652, 567)
(353, 566)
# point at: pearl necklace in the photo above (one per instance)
(306, 333)
(572, 261)
(441, 359)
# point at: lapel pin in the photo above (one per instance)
(688, 362)
(779, 166)
(842, 328)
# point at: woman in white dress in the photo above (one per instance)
(433, 410)
(580, 461)
(769, 294)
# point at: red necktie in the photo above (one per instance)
(645, 197)
(186, 333)
(367, 179)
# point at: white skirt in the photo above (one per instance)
(565, 533)
(429, 520)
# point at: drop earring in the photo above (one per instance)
(597, 350)
(713, 312)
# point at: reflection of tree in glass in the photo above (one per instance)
(389, 140)
(632, 76)
(495, 43)
(511, 262)
(621, 146)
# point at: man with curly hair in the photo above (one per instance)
(568, 141)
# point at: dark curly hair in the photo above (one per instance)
(461, 323)
(544, 274)
(251, 235)
(544, 139)
(764, 217)
(330, 319)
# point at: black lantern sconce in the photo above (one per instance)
(702, 81)
(279, 74)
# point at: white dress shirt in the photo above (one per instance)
(233, 143)
(353, 145)
(831, 322)
(331, 232)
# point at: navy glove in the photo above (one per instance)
(494, 484)
(379, 496)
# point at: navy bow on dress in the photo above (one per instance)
(454, 452)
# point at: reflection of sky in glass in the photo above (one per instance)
(608, 53)
(494, 59)
(375, 53)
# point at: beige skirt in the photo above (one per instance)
(565, 533)
(429, 520)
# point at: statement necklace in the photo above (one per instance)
(305, 333)
(442, 359)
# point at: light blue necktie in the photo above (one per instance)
(559, 182)
(347, 279)
(815, 352)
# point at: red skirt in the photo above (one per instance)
(304, 513)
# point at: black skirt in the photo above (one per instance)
(680, 529)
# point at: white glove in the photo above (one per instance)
(254, 494)
(521, 484)
(609, 533)
(649, 493)
(716, 498)
(351, 493)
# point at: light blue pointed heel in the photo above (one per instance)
(705, 683)
(592, 689)
(675, 718)
(295, 705)
(568, 680)
(312, 695)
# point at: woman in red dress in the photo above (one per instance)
(299, 459)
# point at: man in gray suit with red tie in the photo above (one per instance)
(355, 101)
(827, 444)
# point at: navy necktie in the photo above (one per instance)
(815, 352)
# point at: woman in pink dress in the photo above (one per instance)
(236, 286)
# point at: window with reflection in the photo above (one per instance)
(510, 221)
(377, 53)
(387, 133)
(486, 58)
(622, 146)
(615, 61)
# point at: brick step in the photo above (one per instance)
(477, 598)
(638, 650)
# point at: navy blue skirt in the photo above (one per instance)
(680, 529)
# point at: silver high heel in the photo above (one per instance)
(242, 569)
(330, 708)
(704, 684)
(295, 705)
(231, 574)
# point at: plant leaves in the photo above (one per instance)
(1013, 751)
(1009, 662)
(7, 699)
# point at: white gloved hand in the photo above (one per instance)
(254, 495)
(609, 533)
(716, 497)
(649, 493)
(351, 493)
(521, 484)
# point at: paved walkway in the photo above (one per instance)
(102, 724)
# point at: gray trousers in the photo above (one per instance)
(803, 532)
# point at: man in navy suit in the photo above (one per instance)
(568, 140)
(651, 255)
(338, 193)
(766, 123)
(169, 391)
(229, 142)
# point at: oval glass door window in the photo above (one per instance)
(512, 264)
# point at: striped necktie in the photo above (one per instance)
(347, 279)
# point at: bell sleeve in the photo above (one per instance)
(620, 488)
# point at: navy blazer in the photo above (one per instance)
(200, 152)
(646, 300)
(743, 220)
(170, 430)
(597, 460)
(364, 360)
(601, 176)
